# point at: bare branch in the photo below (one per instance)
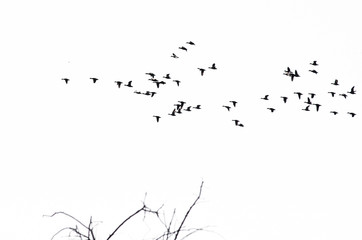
(68, 215)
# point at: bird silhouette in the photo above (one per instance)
(159, 82)
(332, 93)
(313, 71)
(271, 109)
(287, 71)
(182, 103)
(174, 55)
(334, 112)
(129, 84)
(335, 82)
(311, 95)
(197, 107)
(173, 113)
(352, 91)
(227, 107)
(317, 106)
(306, 108)
(314, 63)
(241, 125)
(190, 43)
(352, 114)
(94, 79)
(289, 74)
(202, 70)
(308, 101)
(236, 121)
(138, 92)
(299, 94)
(153, 94)
(343, 95)
(179, 111)
(183, 48)
(234, 103)
(157, 118)
(177, 82)
(296, 73)
(66, 80)
(118, 83)
(188, 109)
(151, 74)
(265, 97)
(167, 76)
(178, 106)
(284, 99)
(213, 67)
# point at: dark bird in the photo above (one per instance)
(179, 111)
(265, 97)
(227, 107)
(182, 103)
(352, 114)
(287, 71)
(167, 76)
(190, 43)
(308, 101)
(173, 113)
(157, 118)
(236, 121)
(306, 108)
(66, 80)
(138, 92)
(151, 74)
(296, 74)
(314, 63)
(234, 103)
(177, 81)
(335, 82)
(352, 91)
(271, 109)
(332, 93)
(152, 93)
(129, 84)
(183, 48)
(178, 106)
(174, 55)
(197, 107)
(284, 99)
(153, 79)
(311, 95)
(188, 109)
(299, 94)
(118, 83)
(240, 125)
(343, 95)
(202, 70)
(94, 79)
(317, 106)
(313, 71)
(159, 82)
(334, 112)
(213, 66)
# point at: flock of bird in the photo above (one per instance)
(181, 106)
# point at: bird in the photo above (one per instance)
(314, 63)
(66, 80)
(179, 111)
(159, 82)
(352, 114)
(335, 82)
(129, 84)
(284, 99)
(317, 106)
(167, 76)
(299, 94)
(343, 95)
(182, 103)
(213, 66)
(334, 112)
(306, 108)
(265, 97)
(287, 71)
(236, 121)
(148, 93)
(173, 113)
(197, 107)
(118, 83)
(190, 43)
(332, 93)
(188, 109)
(178, 106)
(94, 79)
(271, 109)
(313, 71)
(202, 70)
(234, 103)
(183, 48)
(157, 118)
(296, 73)
(352, 91)
(227, 107)
(138, 92)
(308, 101)
(177, 81)
(311, 95)
(240, 125)
(151, 74)
(174, 55)
(153, 94)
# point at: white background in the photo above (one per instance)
(95, 150)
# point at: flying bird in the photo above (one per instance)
(236, 121)
(202, 70)
(129, 84)
(265, 97)
(284, 99)
(183, 48)
(271, 109)
(167, 76)
(213, 66)
(287, 71)
(188, 109)
(352, 91)
(317, 106)
(66, 80)
(138, 92)
(118, 83)
(173, 113)
(182, 103)
(190, 43)
(177, 81)
(306, 108)
(332, 93)
(174, 55)
(296, 73)
(151, 74)
(94, 79)
(335, 82)
(334, 112)
(313, 71)
(308, 101)
(314, 63)
(157, 118)
(343, 95)
(197, 107)
(227, 107)
(352, 114)
(159, 82)
(311, 95)
(234, 103)
(299, 94)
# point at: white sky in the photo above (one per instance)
(93, 149)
